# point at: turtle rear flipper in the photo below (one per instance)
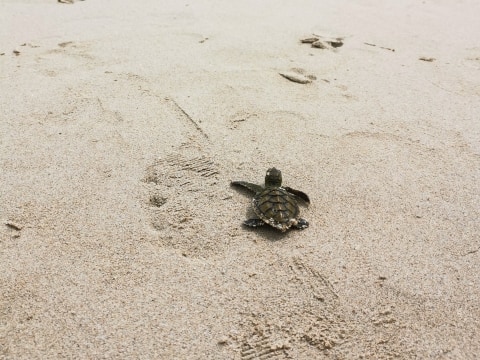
(252, 187)
(298, 193)
(301, 224)
(254, 222)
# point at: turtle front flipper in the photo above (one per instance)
(301, 224)
(299, 194)
(252, 187)
(254, 222)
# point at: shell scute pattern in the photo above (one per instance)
(276, 204)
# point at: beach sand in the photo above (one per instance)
(122, 124)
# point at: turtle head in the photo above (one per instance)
(273, 178)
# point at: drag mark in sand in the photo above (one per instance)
(321, 288)
(190, 119)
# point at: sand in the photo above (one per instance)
(122, 124)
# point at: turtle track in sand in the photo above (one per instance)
(282, 324)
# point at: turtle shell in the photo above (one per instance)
(276, 207)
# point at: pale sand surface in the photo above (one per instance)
(123, 122)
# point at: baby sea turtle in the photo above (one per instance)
(274, 204)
